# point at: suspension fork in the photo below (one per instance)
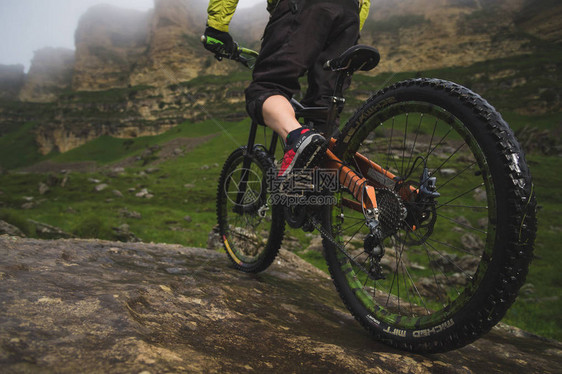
(247, 163)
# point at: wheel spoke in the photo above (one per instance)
(448, 158)
(415, 141)
(440, 142)
(463, 224)
(431, 141)
(451, 246)
(448, 260)
(459, 196)
(456, 175)
(480, 207)
(404, 145)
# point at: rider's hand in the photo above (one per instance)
(219, 42)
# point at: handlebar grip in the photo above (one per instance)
(245, 56)
(217, 47)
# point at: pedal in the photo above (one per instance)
(307, 226)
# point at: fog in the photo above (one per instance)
(29, 25)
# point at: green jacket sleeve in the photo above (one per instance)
(364, 12)
(220, 13)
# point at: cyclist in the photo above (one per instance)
(300, 37)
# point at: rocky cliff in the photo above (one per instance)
(92, 306)
(542, 19)
(132, 70)
(11, 81)
(50, 74)
(116, 48)
(172, 52)
(130, 112)
(127, 75)
(109, 42)
(417, 35)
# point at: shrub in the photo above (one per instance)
(93, 227)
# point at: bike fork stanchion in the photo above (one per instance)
(273, 144)
(238, 208)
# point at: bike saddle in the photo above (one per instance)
(358, 57)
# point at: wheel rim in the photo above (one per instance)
(428, 282)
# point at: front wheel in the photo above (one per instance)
(251, 228)
(457, 213)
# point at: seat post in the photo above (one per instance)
(337, 102)
(252, 137)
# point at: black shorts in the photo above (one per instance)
(298, 40)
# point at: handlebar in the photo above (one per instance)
(245, 56)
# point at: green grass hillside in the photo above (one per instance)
(18, 148)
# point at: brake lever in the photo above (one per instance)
(246, 57)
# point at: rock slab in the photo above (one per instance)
(88, 306)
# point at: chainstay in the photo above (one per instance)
(318, 226)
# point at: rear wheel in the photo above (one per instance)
(456, 254)
(251, 228)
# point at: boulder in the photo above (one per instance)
(123, 234)
(89, 306)
(100, 187)
(8, 229)
(49, 232)
(126, 213)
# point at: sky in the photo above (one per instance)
(29, 25)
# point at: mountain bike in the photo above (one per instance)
(424, 201)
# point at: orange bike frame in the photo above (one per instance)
(363, 189)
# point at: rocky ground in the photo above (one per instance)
(92, 306)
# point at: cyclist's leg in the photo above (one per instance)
(292, 42)
(279, 115)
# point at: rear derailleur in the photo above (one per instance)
(372, 245)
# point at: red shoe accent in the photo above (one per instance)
(303, 152)
(287, 159)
